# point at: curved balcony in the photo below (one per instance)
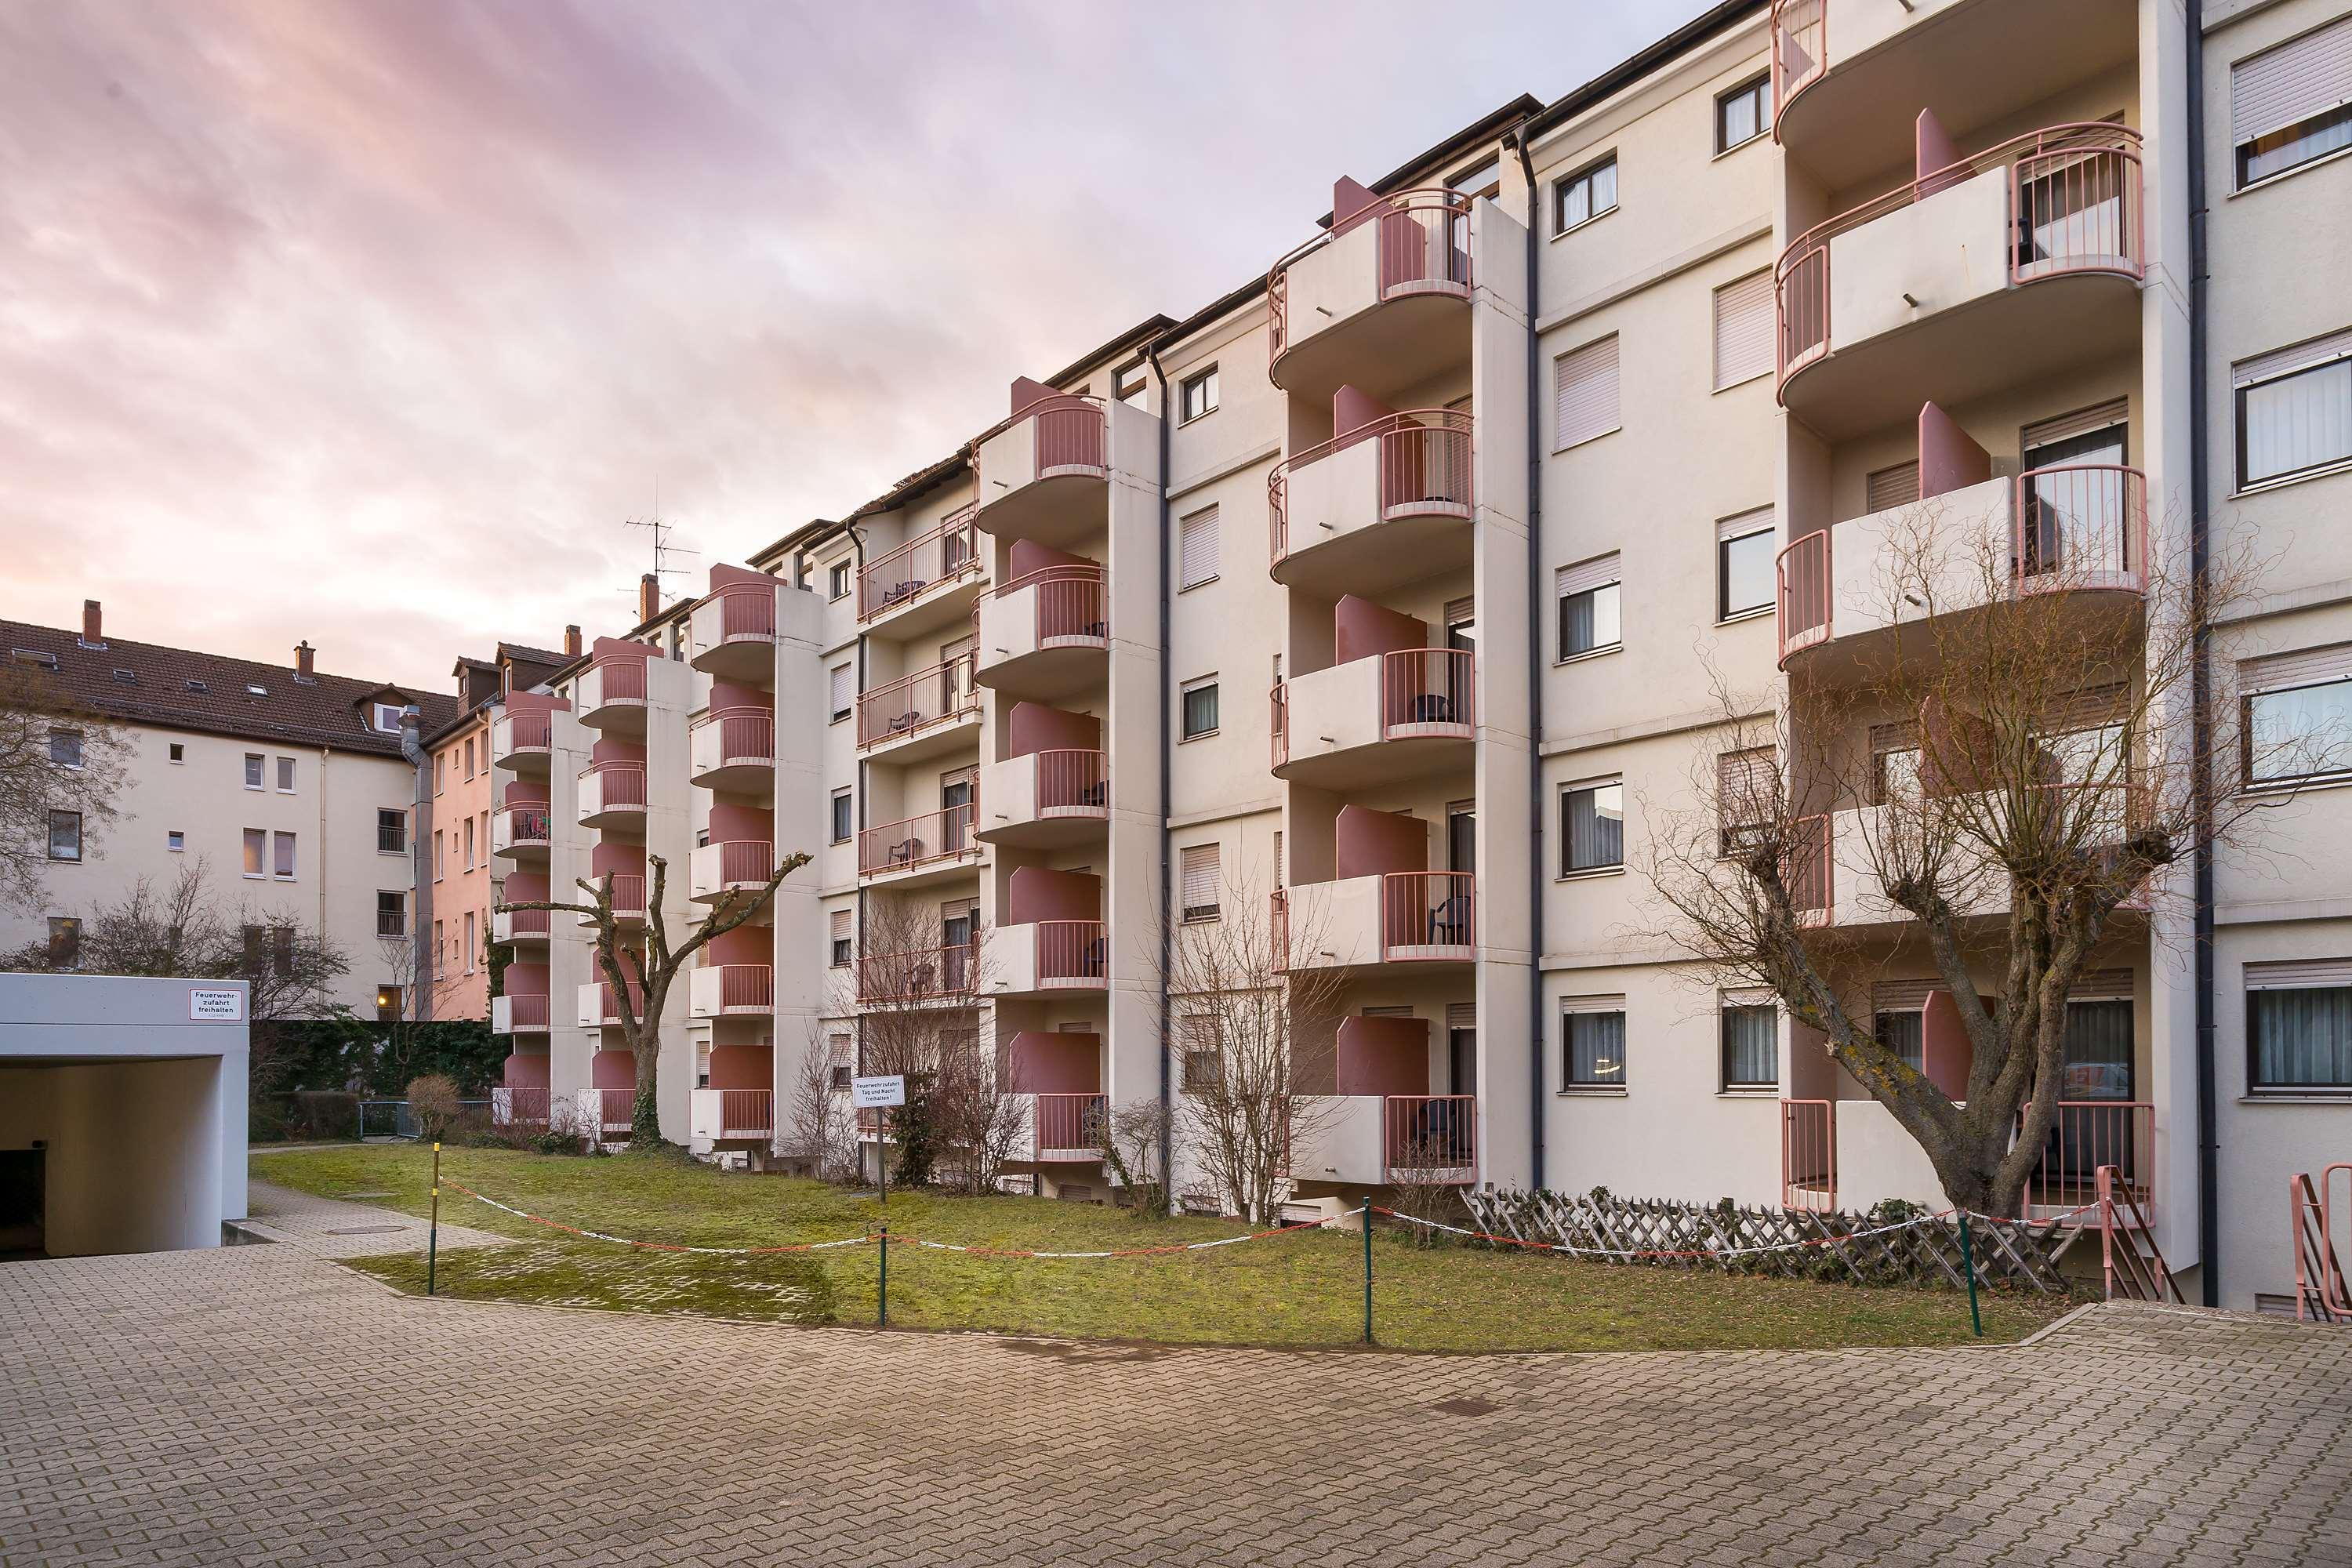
(522, 742)
(1846, 593)
(928, 713)
(629, 901)
(520, 925)
(1385, 504)
(1042, 957)
(733, 750)
(1045, 635)
(733, 634)
(1046, 799)
(519, 1105)
(924, 975)
(1399, 715)
(607, 1115)
(936, 846)
(599, 1008)
(731, 990)
(1045, 472)
(1379, 299)
(927, 582)
(1065, 1128)
(731, 866)
(1893, 303)
(610, 695)
(1393, 917)
(1379, 1139)
(612, 795)
(524, 1014)
(720, 1115)
(519, 832)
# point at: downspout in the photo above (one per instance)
(857, 839)
(412, 746)
(1167, 793)
(2201, 685)
(1539, 1030)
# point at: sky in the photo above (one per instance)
(371, 321)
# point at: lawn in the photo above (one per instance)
(1297, 1289)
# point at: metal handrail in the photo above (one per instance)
(1808, 17)
(1809, 1154)
(1427, 690)
(1803, 595)
(916, 975)
(902, 847)
(1073, 779)
(1071, 949)
(747, 612)
(1404, 205)
(605, 773)
(1450, 435)
(877, 723)
(1429, 1132)
(954, 563)
(1411, 917)
(529, 732)
(746, 733)
(629, 688)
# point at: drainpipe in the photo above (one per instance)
(1539, 1032)
(2200, 678)
(412, 746)
(857, 838)
(1167, 792)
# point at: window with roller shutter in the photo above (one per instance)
(1196, 549)
(1747, 796)
(1888, 488)
(2292, 104)
(1743, 329)
(1588, 595)
(1200, 883)
(2294, 716)
(2299, 1025)
(2294, 410)
(1584, 394)
(842, 927)
(842, 693)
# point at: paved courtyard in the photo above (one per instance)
(262, 1405)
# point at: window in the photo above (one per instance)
(1200, 707)
(65, 836)
(2296, 715)
(64, 748)
(1196, 549)
(1904, 1033)
(1743, 565)
(1593, 1042)
(1197, 394)
(439, 758)
(175, 841)
(2299, 1025)
(253, 770)
(64, 942)
(179, 753)
(1743, 329)
(1587, 606)
(839, 1052)
(391, 913)
(2293, 103)
(387, 1004)
(836, 580)
(1743, 114)
(1895, 485)
(844, 695)
(1584, 394)
(842, 815)
(391, 831)
(1893, 762)
(387, 717)
(2294, 410)
(1592, 826)
(1131, 384)
(256, 851)
(281, 856)
(1584, 195)
(1204, 1069)
(472, 947)
(439, 843)
(282, 952)
(469, 844)
(1750, 1039)
(842, 920)
(285, 775)
(1201, 878)
(1747, 796)
(469, 756)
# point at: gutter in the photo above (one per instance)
(1538, 1029)
(1167, 796)
(421, 826)
(2201, 682)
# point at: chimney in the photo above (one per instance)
(302, 670)
(648, 597)
(93, 628)
(571, 642)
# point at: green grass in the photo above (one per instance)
(1303, 1290)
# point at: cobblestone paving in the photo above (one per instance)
(334, 1228)
(259, 1405)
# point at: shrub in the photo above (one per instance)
(433, 1101)
(324, 1113)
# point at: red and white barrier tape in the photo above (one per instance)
(1132, 1251)
(654, 1246)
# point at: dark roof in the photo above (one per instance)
(913, 485)
(1135, 337)
(209, 693)
(521, 653)
(1461, 141)
(1624, 73)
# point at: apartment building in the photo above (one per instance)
(287, 784)
(1590, 414)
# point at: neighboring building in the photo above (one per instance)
(287, 784)
(1020, 693)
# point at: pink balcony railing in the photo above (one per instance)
(1279, 723)
(619, 679)
(1809, 1154)
(2088, 1134)
(1799, 49)
(746, 862)
(1427, 691)
(1808, 870)
(2321, 1229)
(1073, 603)
(1073, 783)
(524, 1107)
(629, 894)
(1069, 431)
(1425, 1133)
(747, 736)
(2080, 525)
(943, 834)
(913, 703)
(746, 1113)
(1072, 952)
(919, 974)
(2074, 206)
(1278, 914)
(526, 826)
(618, 785)
(529, 732)
(608, 1009)
(946, 552)
(1425, 469)
(746, 987)
(1067, 1125)
(616, 1109)
(1420, 911)
(747, 613)
(1422, 249)
(527, 1010)
(1802, 570)
(527, 922)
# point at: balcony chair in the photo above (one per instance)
(1449, 922)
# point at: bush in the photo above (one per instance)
(433, 1101)
(323, 1114)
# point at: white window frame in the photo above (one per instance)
(256, 771)
(1206, 519)
(1183, 717)
(1204, 381)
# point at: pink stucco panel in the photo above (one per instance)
(1361, 629)
(1948, 459)
(1034, 893)
(1944, 1042)
(526, 1069)
(1046, 1062)
(742, 1066)
(1034, 727)
(1383, 1056)
(1368, 843)
(613, 1069)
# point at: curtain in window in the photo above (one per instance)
(1596, 1048)
(1906, 1033)
(1750, 1046)
(1596, 827)
(2098, 1051)
(2302, 1038)
(2298, 422)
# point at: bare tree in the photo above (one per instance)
(2003, 768)
(1131, 1137)
(62, 771)
(820, 1130)
(641, 975)
(915, 996)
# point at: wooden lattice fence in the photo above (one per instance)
(1800, 1244)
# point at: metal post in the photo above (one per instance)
(1968, 1268)
(1367, 1272)
(882, 1315)
(433, 1237)
(882, 1164)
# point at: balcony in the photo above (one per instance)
(522, 742)
(518, 925)
(521, 1106)
(922, 974)
(1853, 1154)
(731, 990)
(733, 750)
(928, 713)
(628, 900)
(1379, 299)
(1377, 1141)
(1385, 504)
(732, 634)
(935, 846)
(1902, 300)
(519, 1014)
(1047, 799)
(1849, 75)
(600, 1008)
(1846, 594)
(726, 1115)
(1045, 956)
(607, 1114)
(1046, 635)
(1399, 715)
(1045, 472)
(1394, 917)
(735, 866)
(612, 695)
(1065, 1128)
(927, 582)
(613, 796)
(519, 832)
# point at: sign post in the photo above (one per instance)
(879, 1093)
(433, 1237)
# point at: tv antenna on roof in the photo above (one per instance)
(661, 529)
